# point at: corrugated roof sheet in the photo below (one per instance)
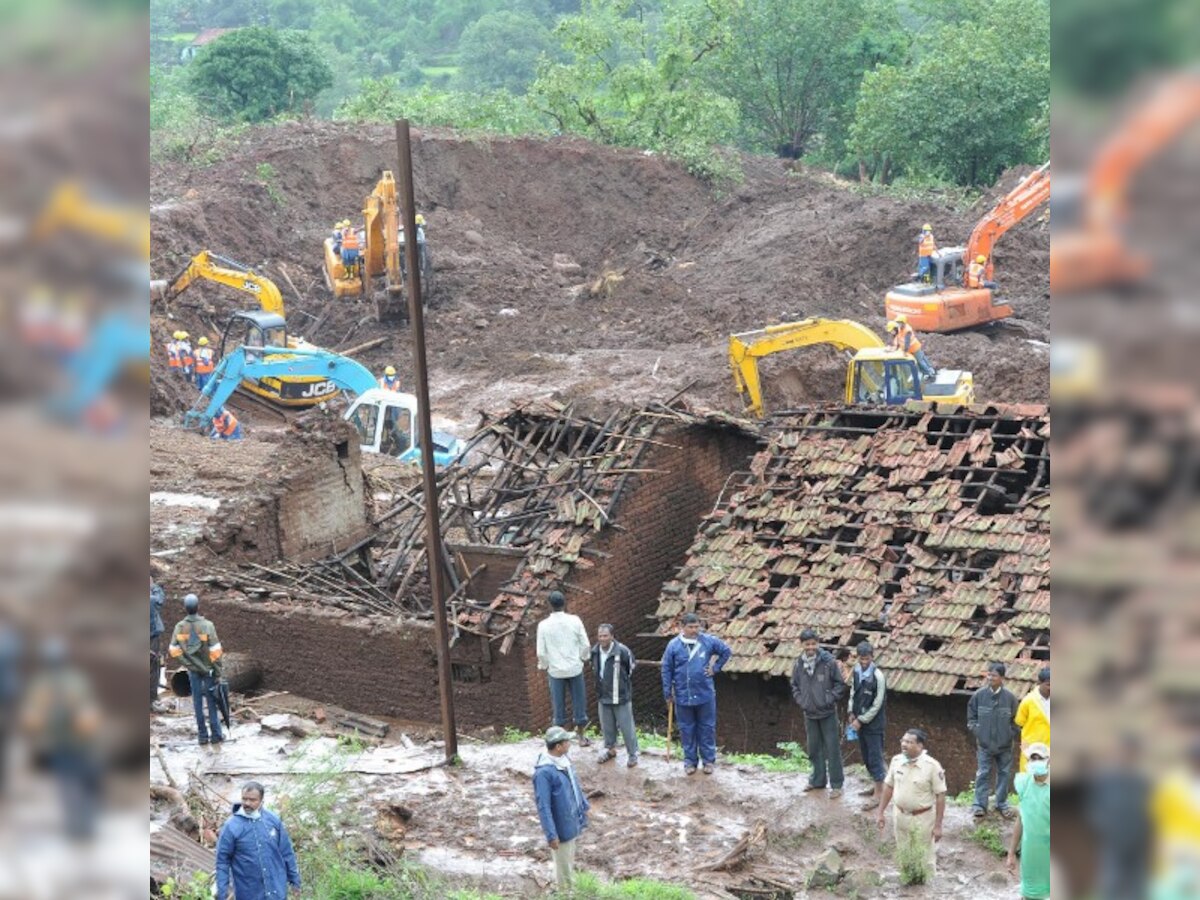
(926, 533)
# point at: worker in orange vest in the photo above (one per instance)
(390, 381)
(975, 273)
(350, 247)
(204, 363)
(906, 340)
(225, 427)
(926, 246)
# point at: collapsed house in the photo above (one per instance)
(926, 533)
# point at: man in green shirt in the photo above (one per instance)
(195, 645)
(1032, 833)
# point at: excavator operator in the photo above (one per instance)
(975, 273)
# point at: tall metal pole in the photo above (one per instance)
(433, 530)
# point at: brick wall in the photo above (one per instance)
(659, 513)
(321, 508)
(756, 714)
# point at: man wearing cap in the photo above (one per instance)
(917, 781)
(1033, 715)
(561, 804)
(1031, 836)
(195, 646)
(990, 714)
(562, 649)
(868, 697)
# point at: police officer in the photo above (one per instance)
(917, 781)
(195, 644)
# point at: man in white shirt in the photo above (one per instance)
(562, 648)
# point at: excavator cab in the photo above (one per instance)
(877, 379)
(256, 329)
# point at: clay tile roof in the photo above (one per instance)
(926, 532)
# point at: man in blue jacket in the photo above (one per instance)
(562, 807)
(157, 599)
(691, 660)
(254, 848)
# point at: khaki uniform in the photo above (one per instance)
(916, 785)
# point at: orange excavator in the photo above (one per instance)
(1088, 248)
(946, 303)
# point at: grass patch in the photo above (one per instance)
(652, 740)
(967, 797)
(912, 859)
(439, 71)
(589, 887)
(791, 759)
(268, 178)
(512, 735)
(988, 837)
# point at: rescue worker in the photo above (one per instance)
(1033, 715)
(204, 363)
(225, 426)
(194, 643)
(975, 273)
(173, 351)
(917, 781)
(926, 246)
(254, 853)
(690, 662)
(187, 359)
(337, 236)
(390, 381)
(350, 246)
(906, 340)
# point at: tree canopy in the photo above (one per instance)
(255, 73)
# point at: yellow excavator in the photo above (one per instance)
(380, 273)
(877, 374)
(265, 327)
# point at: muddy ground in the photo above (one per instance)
(476, 824)
(521, 229)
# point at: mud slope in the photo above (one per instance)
(522, 228)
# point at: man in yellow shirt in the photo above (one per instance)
(1033, 715)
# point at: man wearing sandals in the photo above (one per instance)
(613, 664)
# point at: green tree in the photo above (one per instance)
(794, 65)
(631, 79)
(501, 50)
(253, 74)
(973, 104)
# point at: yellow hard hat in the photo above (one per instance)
(420, 220)
(901, 319)
(892, 326)
(203, 342)
(177, 334)
(183, 335)
(389, 371)
(927, 227)
(981, 258)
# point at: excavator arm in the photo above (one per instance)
(1032, 192)
(221, 270)
(747, 348)
(256, 362)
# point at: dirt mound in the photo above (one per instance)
(568, 269)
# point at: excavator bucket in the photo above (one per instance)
(391, 307)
